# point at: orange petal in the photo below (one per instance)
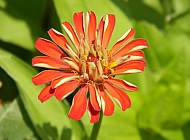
(57, 37)
(94, 114)
(132, 66)
(73, 64)
(129, 34)
(134, 55)
(122, 84)
(79, 104)
(101, 30)
(94, 97)
(116, 95)
(91, 24)
(79, 25)
(46, 93)
(66, 89)
(134, 45)
(60, 40)
(49, 48)
(48, 62)
(125, 97)
(108, 29)
(107, 103)
(47, 76)
(64, 79)
(71, 33)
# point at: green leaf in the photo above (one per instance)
(178, 34)
(160, 52)
(163, 108)
(12, 124)
(139, 10)
(179, 24)
(163, 115)
(50, 118)
(155, 4)
(20, 23)
(180, 7)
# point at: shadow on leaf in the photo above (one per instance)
(49, 132)
(149, 135)
(186, 130)
(140, 12)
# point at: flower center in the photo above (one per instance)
(93, 62)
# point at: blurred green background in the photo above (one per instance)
(160, 109)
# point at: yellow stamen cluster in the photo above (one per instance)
(93, 61)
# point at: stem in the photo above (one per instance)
(96, 128)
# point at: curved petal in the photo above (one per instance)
(64, 79)
(79, 24)
(135, 55)
(46, 93)
(91, 25)
(66, 89)
(136, 44)
(108, 29)
(47, 76)
(125, 97)
(79, 104)
(93, 114)
(100, 31)
(116, 94)
(48, 62)
(106, 102)
(94, 98)
(122, 41)
(57, 37)
(73, 64)
(71, 33)
(122, 84)
(49, 48)
(133, 66)
(60, 40)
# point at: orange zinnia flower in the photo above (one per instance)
(88, 65)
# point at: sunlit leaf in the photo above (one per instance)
(180, 39)
(1, 84)
(160, 52)
(139, 10)
(20, 23)
(163, 108)
(180, 7)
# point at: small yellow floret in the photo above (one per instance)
(113, 64)
(112, 70)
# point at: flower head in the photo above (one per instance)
(88, 66)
